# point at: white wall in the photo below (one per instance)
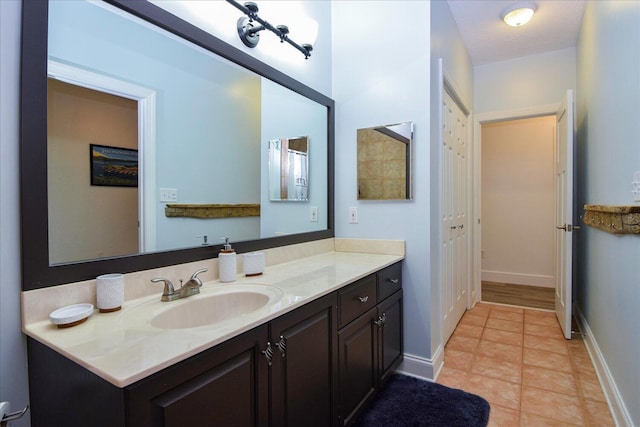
(608, 112)
(520, 83)
(518, 201)
(13, 353)
(380, 77)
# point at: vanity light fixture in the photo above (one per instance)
(518, 14)
(249, 28)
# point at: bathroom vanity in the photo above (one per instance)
(313, 355)
(307, 343)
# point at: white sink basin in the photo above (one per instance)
(213, 305)
(209, 309)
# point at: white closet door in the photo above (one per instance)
(454, 210)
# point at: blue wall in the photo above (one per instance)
(293, 116)
(381, 77)
(13, 349)
(608, 112)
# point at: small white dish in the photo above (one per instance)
(71, 315)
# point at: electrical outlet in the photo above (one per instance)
(313, 216)
(168, 195)
(353, 215)
(636, 186)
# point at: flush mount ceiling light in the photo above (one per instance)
(249, 28)
(518, 14)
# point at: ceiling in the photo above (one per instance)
(554, 26)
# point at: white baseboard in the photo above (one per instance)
(421, 367)
(619, 411)
(518, 278)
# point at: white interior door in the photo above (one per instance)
(564, 213)
(454, 207)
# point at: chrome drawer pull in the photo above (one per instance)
(394, 281)
(382, 320)
(363, 299)
(268, 353)
(282, 345)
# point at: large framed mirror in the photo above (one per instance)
(115, 88)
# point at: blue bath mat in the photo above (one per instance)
(408, 401)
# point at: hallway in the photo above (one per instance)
(519, 361)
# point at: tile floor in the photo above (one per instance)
(518, 360)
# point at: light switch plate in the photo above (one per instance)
(353, 215)
(313, 214)
(168, 194)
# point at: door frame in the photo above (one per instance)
(146, 99)
(479, 120)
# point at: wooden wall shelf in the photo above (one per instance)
(613, 219)
(209, 211)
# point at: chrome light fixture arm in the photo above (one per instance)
(249, 31)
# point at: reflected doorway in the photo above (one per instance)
(92, 160)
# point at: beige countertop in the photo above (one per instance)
(123, 347)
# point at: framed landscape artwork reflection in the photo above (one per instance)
(113, 166)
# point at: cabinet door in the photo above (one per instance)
(224, 386)
(389, 335)
(303, 373)
(357, 345)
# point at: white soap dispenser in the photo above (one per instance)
(227, 262)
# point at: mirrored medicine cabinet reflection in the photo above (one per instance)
(289, 169)
(200, 114)
(385, 162)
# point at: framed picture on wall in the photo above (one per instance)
(113, 166)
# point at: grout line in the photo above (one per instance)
(572, 358)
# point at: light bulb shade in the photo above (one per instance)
(518, 15)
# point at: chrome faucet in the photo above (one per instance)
(192, 287)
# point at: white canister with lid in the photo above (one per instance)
(109, 292)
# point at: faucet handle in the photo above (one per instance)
(168, 286)
(195, 279)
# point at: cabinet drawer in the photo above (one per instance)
(389, 280)
(356, 299)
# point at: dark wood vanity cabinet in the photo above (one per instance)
(304, 372)
(370, 343)
(236, 384)
(225, 386)
(326, 359)
(390, 344)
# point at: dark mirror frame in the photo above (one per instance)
(36, 270)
